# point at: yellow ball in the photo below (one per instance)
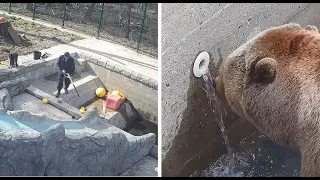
(100, 92)
(117, 93)
(44, 100)
(8, 112)
(82, 110)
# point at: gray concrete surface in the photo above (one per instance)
(107, 52)
(121, 70)
(145, 167)
(188, 130)
(30, 103)
(99, 49)
(39, 146)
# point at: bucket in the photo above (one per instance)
(36, 55)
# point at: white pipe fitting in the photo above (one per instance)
(201, 64)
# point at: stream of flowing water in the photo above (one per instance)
(219, 110)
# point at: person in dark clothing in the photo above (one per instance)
(65, 65)
(13, 60)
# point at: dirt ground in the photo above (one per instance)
(111, 30)
(37, 37)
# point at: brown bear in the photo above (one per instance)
(273, 81)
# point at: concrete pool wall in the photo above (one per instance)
(191, 140)
(141, 90)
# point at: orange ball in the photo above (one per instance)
(2, 19)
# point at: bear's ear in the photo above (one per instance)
(311, 28)
(265, 70)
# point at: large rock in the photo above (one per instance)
(15, 86)
(36, 145)
(5, 99)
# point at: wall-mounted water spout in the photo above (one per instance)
(201, 64)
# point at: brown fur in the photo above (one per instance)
(273, 81)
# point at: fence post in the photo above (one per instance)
(64, 15)
(10, 6)
(142, 25)
(100, 19)
(34, 11)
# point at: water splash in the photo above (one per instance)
(219, 110)
(257, 156)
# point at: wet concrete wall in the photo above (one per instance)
(191, 139)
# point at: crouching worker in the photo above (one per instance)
(66, 66)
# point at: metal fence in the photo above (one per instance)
(131, 24)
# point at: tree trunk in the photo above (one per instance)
(4, 30)
(129, 21)
(7, 31)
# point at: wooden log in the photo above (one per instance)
(14, 35)
(7, 31)
(4, 30)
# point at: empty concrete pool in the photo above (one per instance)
(120, 142)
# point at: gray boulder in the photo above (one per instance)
(15, 86)
(35, 145)
(5, 99)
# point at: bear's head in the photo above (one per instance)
(272, 81)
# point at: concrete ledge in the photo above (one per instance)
(54, 101)
(36, 69)
(121, 70)
(83, 99)
(28, 102)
